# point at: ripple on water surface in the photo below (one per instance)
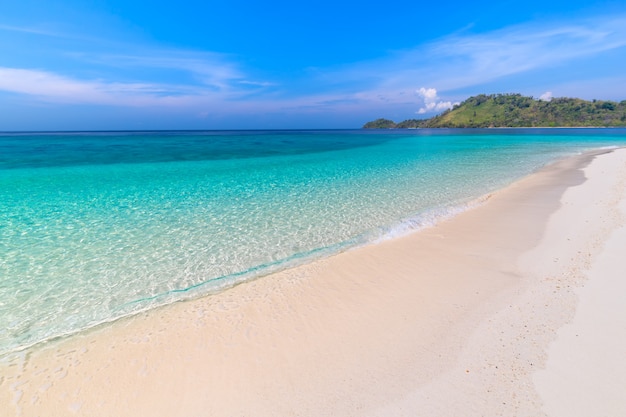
(95, 227)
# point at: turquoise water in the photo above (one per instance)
(96, 226)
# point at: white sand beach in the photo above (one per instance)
(512, 308)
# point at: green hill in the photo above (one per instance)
(515, 110)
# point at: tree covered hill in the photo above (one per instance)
(515, 110)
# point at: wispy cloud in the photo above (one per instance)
(30, 30)
(459, 61)
(208, 69)
(204, 78)
(125, 72)
(484, 57)
(467, 59)
(53, 87)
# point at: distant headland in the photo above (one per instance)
(515, 110)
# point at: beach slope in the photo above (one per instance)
(468, 317)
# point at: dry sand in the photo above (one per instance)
(459, 319)
(585, 374)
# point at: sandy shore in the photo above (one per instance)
(472, 317)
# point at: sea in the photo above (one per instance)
(96, 226)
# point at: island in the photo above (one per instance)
(516, 110)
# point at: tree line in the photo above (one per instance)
(515, 110)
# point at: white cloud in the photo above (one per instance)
(478, 58)
(209, 69)
(30, 30)
(49, 86)
(432, 103)
(46, 84)
(547, 96)
(466, 60)
(429, 94)
(205, 79)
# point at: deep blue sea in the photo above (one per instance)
(99, 225)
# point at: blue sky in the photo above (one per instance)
(237, 64)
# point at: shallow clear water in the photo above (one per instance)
(96, 226)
